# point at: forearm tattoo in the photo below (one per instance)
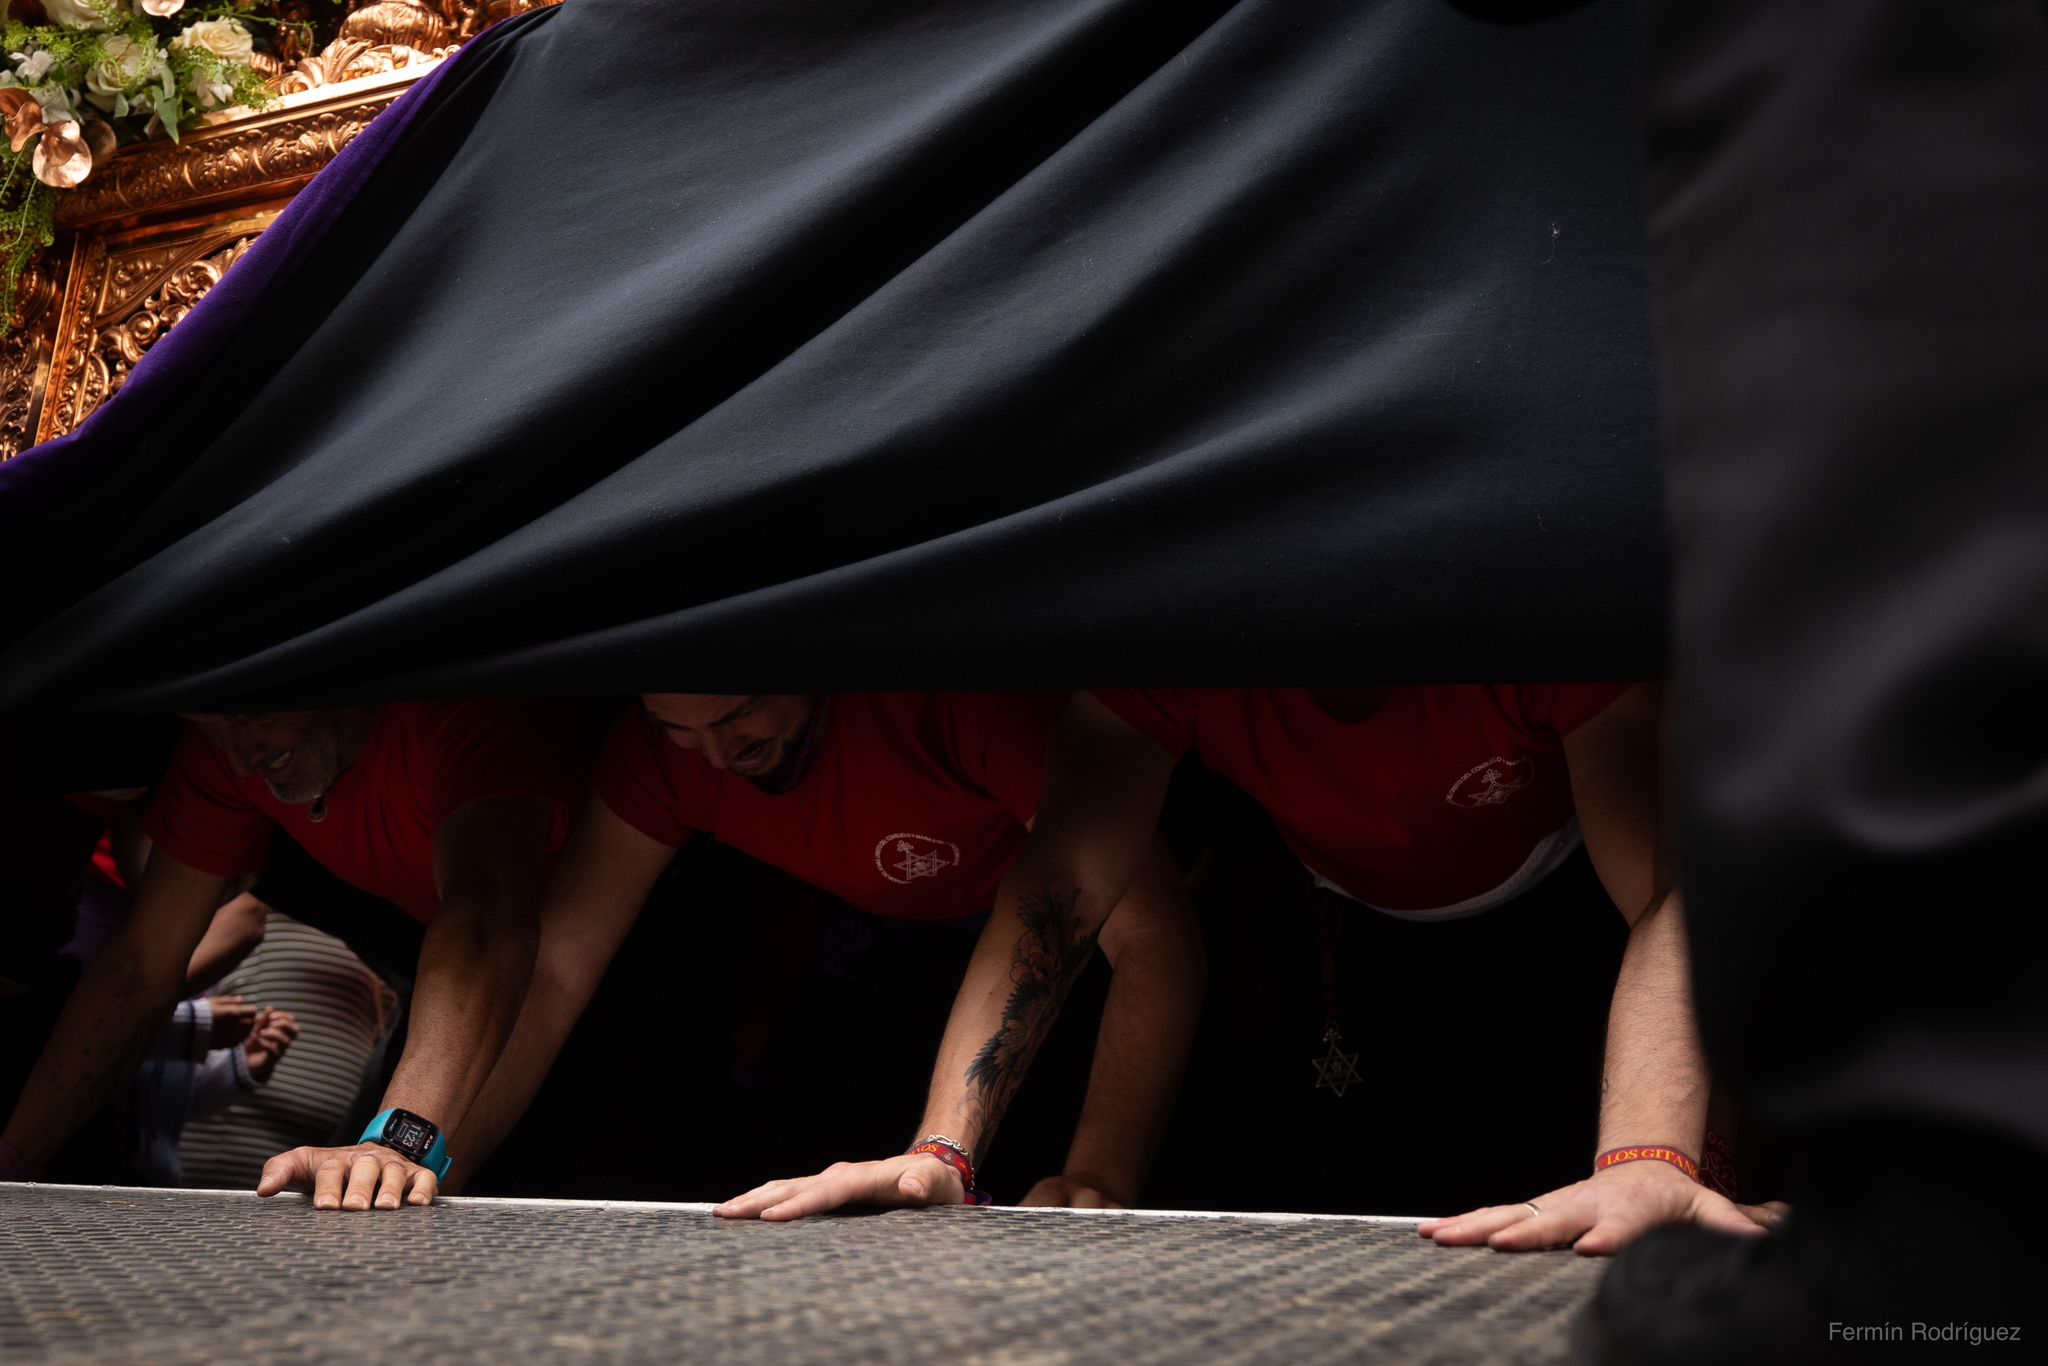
(1048, 960)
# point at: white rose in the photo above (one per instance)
(224, 38)
(159, 9)
(126, 64)
(80, 13)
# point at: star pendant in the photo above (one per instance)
(1336, 1069)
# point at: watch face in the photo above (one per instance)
(408, 1134)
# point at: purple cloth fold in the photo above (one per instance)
(42, 472)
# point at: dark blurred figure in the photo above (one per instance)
(46, 847)
(1849, 224)
(1279, 955)
(51, 832)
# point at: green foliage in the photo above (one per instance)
(128, 75)
(74, 49)
(311, 36)
(28, 210)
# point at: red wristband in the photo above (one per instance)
(1614, 1157)
(954, 1156)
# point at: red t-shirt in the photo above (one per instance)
(914, 805)
(1442, 799)
(423, 762)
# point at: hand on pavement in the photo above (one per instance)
(913, 1179)
(1598, 1216)
(365, 1176)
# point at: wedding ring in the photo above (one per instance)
(1533, 1209)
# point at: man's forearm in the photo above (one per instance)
(473, 973)
(106, 1028)
(544, 1025)
(1148, 1023)
(1654, 1087)
(1029, 957)
(605, 874)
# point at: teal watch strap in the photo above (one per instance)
(435, 1159)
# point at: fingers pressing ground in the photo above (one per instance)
(328, 1179)
(1470, 1230)
(362, 1182)
(800, 1203)
(1532, 1233)
(1429, 1228)
(840, 1185)
(280, 1171)
(424, 1186)
(391, 1190)
(1727, 1218)
(751, 1204)
(1609, 1236)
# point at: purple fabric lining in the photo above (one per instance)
(42, 472)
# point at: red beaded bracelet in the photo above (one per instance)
(954, 1156)
(1614, 1157)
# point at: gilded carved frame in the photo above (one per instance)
(146, 237)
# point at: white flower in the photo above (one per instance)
(224, 38)
(58, 102)
(159, 9)
(95, 14)
(126, 64)
(211, 94)
(34, 65)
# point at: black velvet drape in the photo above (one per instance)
(761, 344)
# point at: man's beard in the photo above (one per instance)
(311, 772)
(796, 760)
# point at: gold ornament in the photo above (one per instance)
(23, 116)
(99, 136)
(398, 23)
(62, 158)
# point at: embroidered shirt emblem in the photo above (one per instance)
(907, 857)
(1493, 782)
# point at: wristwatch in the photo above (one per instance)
(411, 1137)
